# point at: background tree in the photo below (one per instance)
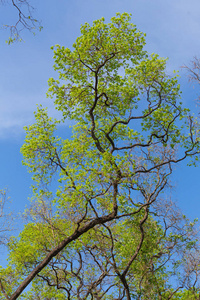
(101, 233)
(194, 71)
(5, 217)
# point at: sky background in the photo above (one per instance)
(173, 30)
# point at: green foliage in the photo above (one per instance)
(106, 207)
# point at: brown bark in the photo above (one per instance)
(60, 247)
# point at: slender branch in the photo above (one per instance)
(78, 232)
(3, 290)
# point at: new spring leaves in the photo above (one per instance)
(103, 232)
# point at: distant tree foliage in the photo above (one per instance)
(101, 224)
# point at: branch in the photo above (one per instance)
(3, 291)
(79, 231)
(25, 20)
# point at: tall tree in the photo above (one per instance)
(99, 234)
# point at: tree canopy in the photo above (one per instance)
(101, 223)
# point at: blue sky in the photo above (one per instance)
(172, 28)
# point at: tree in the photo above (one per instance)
(194, 71)
(102, 232)
(25, 20)
(5, 218)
